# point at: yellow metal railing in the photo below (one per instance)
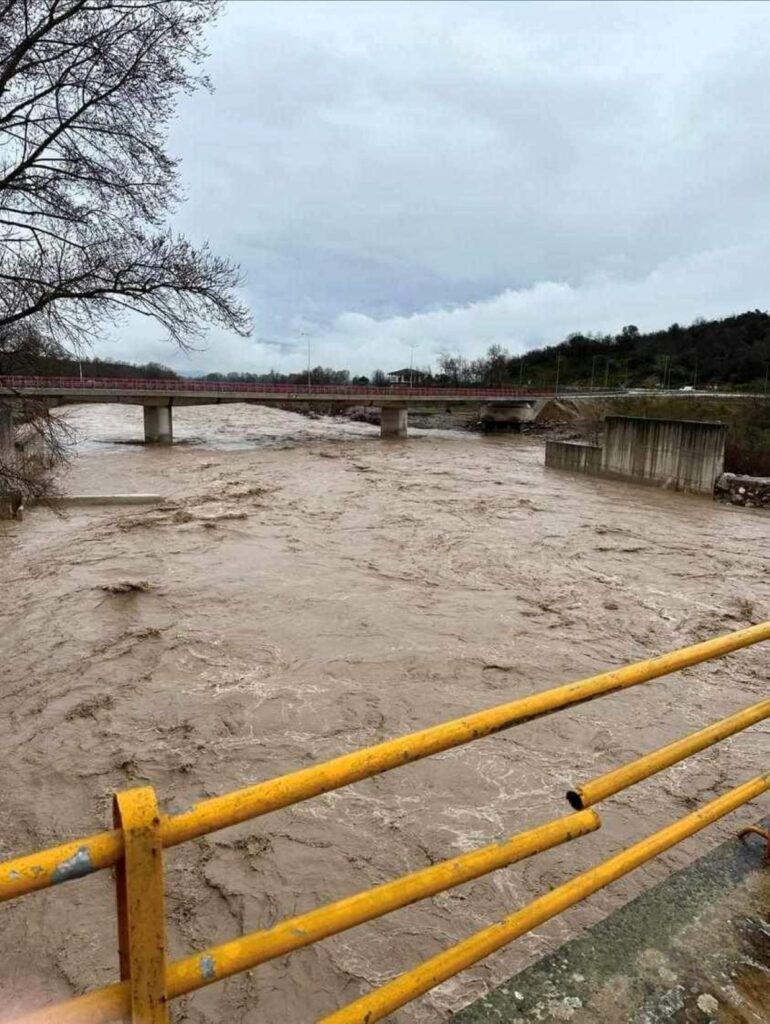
(135, 846)
(589, 793)
(444, 965)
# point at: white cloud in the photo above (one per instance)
(710, 284)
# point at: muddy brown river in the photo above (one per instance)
(311, 589)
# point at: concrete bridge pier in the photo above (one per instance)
(496, 416)
(10, 501)
(6, 432)
(393, 421)
(157, 424)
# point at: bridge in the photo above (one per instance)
(158, 398)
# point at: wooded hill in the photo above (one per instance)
(730, 353)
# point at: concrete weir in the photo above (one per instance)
(158, 428)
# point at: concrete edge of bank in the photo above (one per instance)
(696, 947)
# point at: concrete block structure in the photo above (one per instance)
(682, 455)
(572, 456)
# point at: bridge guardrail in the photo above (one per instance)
(189, 385)
(136, 846)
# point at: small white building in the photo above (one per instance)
(406, 376)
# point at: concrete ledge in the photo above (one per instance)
(694, 948)
(65, 500)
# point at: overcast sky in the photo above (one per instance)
(453, 175)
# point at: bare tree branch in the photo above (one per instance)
(87, 90)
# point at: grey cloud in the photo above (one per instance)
(398, 160)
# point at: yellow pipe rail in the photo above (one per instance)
(93, 853)
(589, 793)
(421, 979)
(113, 1002)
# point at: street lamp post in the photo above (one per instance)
(412, 347)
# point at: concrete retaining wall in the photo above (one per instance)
(680, 454)
(574, 457)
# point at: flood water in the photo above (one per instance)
(311, 589)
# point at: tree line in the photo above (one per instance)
(732, 353)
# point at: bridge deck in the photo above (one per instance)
(73, 389)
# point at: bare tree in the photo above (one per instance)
(87, 90)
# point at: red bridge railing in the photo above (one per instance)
(188, 386)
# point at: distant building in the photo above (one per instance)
(406, 376)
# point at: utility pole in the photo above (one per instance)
(558, 371)
(695, 377)
(521, 371)
(305, 335)
(666, 361)
(593, 370)
(607, 373)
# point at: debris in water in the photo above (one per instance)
(126, 587)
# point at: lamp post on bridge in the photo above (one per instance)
(412, 346)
